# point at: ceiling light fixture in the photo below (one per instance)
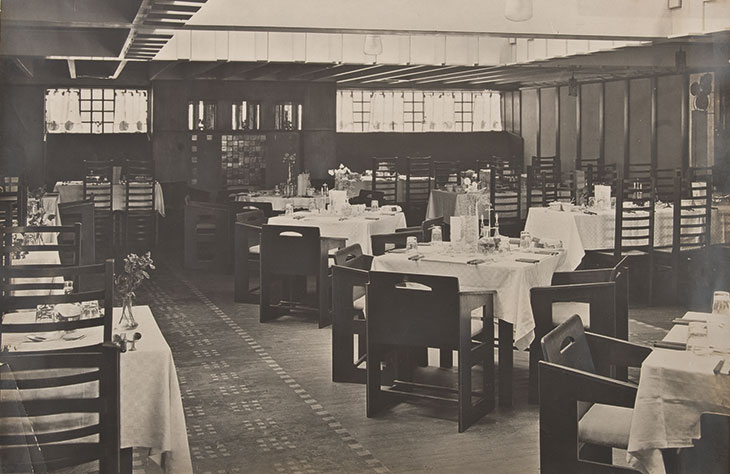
(573, 86)
(373, 45)
(518, 10)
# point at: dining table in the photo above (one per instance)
(151, 409)
(357, 229)
(591, 228)
(278, 201)
(71, 191)
(510, 273)
(676, 386)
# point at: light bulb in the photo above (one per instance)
(373, 45)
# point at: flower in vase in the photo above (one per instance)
(136, 270)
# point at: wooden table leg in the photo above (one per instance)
(506, 344)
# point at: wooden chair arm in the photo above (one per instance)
(566, 386)
(611, 351)
(581, 276)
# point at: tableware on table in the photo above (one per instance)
(486, 245)
(289, 209)
(416, 257)
(374, 204)
(411, 244)
(527, 260)
(525, 240)
(67, 312)
(89, 309)
(436, 235)
(677, 346)
(721, 303)
(475, 261)
(697, 342)
(44, 313)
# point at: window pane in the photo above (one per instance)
(86, 94)
(109, 94)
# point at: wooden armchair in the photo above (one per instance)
(29, 449)
(206, 236)
(290, 254)
(69, 248)
(349, 279)
(583, 412)
(407, 312)
(379, 242)
(247, 251)
(598, 297)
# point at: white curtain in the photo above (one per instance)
(121, 117)
(377, 111)
(71, 112)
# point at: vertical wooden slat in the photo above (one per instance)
(653, 122)
(684, 122)
(557, 121)
(602, 125)
(538, 146)
(627, 125)
(578, 128)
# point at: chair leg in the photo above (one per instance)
(373, 391)
(446, 358)
(325, 317)
(266, 312)
(506, 346)
(533, 392)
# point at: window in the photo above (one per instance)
(96, 110)
(418, 111)
(246, 115)
(288, 116)
(201, 115)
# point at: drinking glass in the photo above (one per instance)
(289, 209)
(525, 240)
(721, 303)
(436, 235)
(411, 245)
(374, 204)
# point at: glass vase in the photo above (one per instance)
(127, 322)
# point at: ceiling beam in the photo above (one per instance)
(157, 68)
(71, 68)
(25, 66)
(380, 74)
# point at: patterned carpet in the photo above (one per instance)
(244, 412)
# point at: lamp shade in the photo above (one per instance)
(518, 10)
(373, 45)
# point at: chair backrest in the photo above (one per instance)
(428, 225)
(385, 178)
(266, 207)
(506, 201)
(548, 166)
(446, 172)
(252, 217)
(541, 188)
(567, 345)
(635, 200)
(80, 386)
(98, 177)
(346, 254)
(639, 171)
(699, 173)
(69, 248)
(140, 186)
(664, 182)
(17, 281)
(418, 179)
(290, 250)
(379, 242)
(13, 191)
(413, 310)
(692, 213)
(367, 196)
(81, 212)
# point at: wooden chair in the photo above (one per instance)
(418, 187)
(634, 234)
(598, 173)
(69, 248)
(548, 166)
(408, 312)
(426, 228)
(385, 179)
(247, 251)
(140, 216)
(81, 212)
(642, 171)
(293, 253)
(206, 236)
(382, 242)
(446, 172)
(541, 188)
(13, 190)
(664, 182)
(699, 173)
(18, 281)
(266, 207)
(98, 187)
(349, 279)
(599, 297)
(688, 256)
(506, 202)
(583, 412)
(367, 196)
(66, 379)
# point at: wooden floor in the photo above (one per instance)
(418, 436)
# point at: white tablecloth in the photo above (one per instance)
(278, 203)
(580, 231)
(151, 409)
(70, 191)
(675, 388)
(511, 279)
(357, 230)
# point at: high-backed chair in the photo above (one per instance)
(385, 179)
(418, 186)
(548, 166)
(446, 172)
(407, 312)
(140, 217)
(81, 386)
(13, 191)
(206, 236)
(266, 207)
(81, 212)
(349, 279)
(664, 182)
(506, 200)
(688, 256)
(599, 297)
(247, 251)
(69, 248)
(382, 242)
(541, 188)
(20, 299)
(583, 412)
(98, 187)
(290, 254)
(634, 233)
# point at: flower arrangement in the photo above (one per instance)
(136, 270)
(344, 177)
(290, 159)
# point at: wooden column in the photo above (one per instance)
(653, 122)
(627, 125)
(557, 121)
(538, 147)
(578, 136)
(602, 125)
(684, 122)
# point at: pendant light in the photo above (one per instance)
(518, 10)
(373, 45)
